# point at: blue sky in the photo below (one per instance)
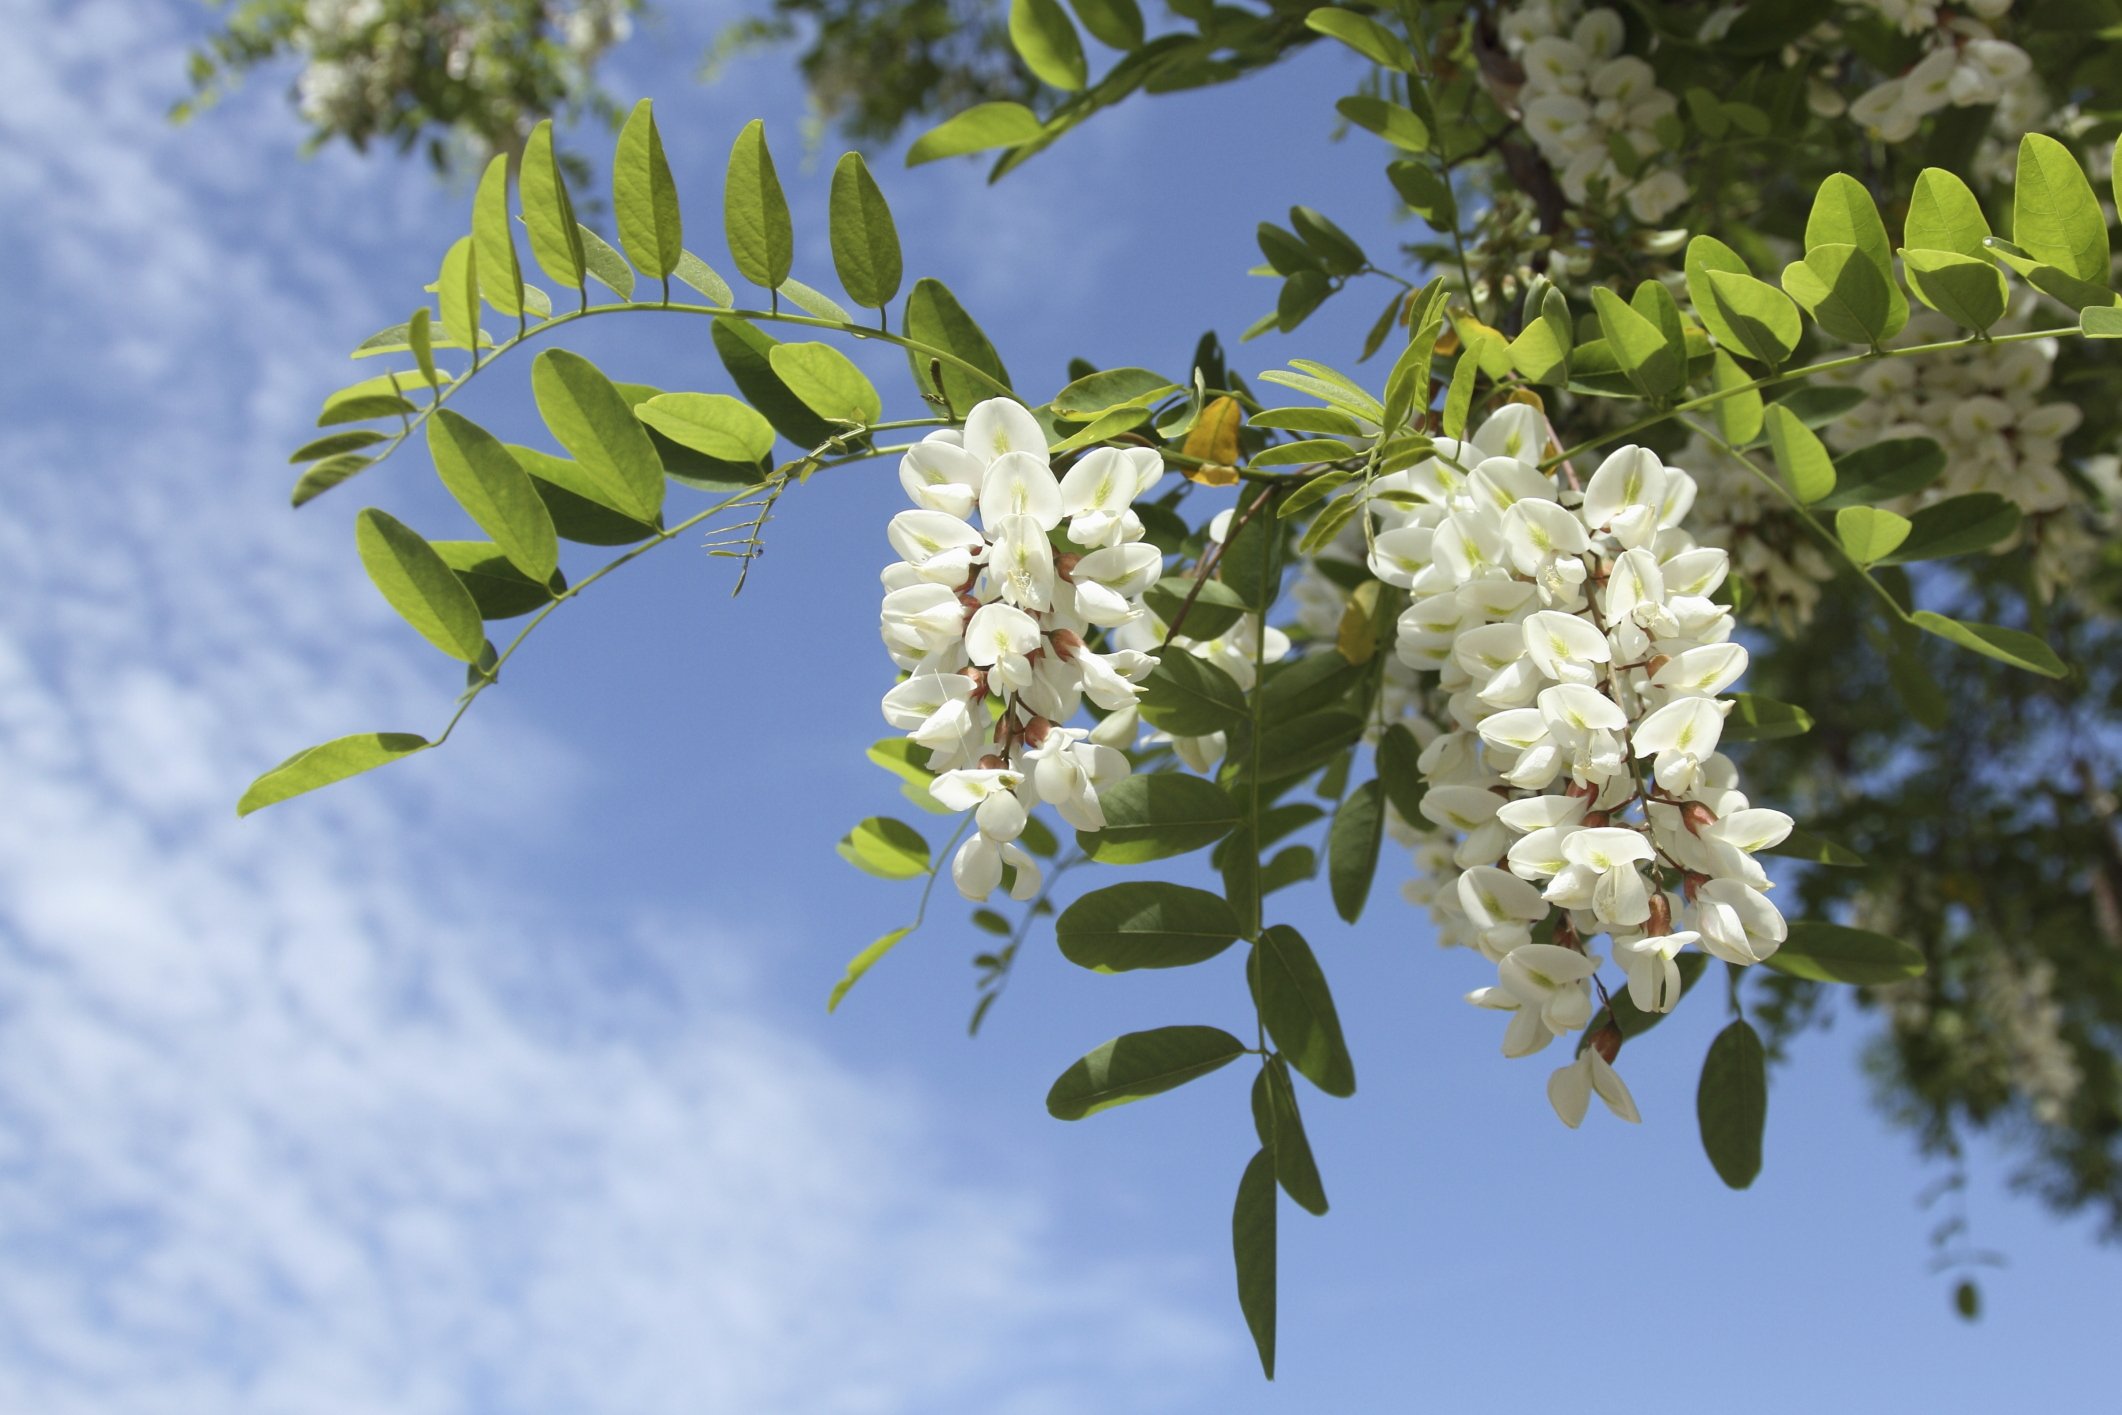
(502, 1082)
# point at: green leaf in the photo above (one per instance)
(1252, 1236)
(1281, 1130)
(704, 278)
(1959, 525)
(577, 502)
(1639, 346)
(1967, 290)
(1352, 848)
(1216, 607)
(1754, 718)
(934, 317)
(1428, 195)
(1740, 412)
(980, 128)
(2050, 280)
(606, 264)
(1188, 696)
(495, 491)
(2012, 646)
(2101, 322)
(500, 276)
(1869, 533)
(326, 474)
(1107, 389)
(1285, 251)
(1140, 1064)
(1398, 126)
(378, 397)
(457, 293)
(747, 352)
(1806, 467)
(556, 237)
(1158, 815)
(1040, 32)
(755, 213)
(865, 240)
(862, 962)
(2056, 219)
(713, 424)
(644, 198)
(1364, 35)
(1831, 953)
(595, 423)
(1881, 471)
(828, 383)
(1844, 214)
(1706, 255)
(1943, 215)
(335, 443)
(419, 338)
(1310, 449)
(419, 585)
(1841, 288)
(1145, 924)
(1298, 1010)
(1732, 1104)
(1399, 770)
(1804, 845)
(1336, 249)
(499, 589)
(886, 848)
(1116, 23)
(815, 303)
(330, 762)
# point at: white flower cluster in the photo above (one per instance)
(1964, 65)
(1581, 658)
(990, 624)
(1582, 95)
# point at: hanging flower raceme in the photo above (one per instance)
(1576, 779)
(994, 624)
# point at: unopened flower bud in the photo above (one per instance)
(1690, 882)
(991, 762)
(1607, 1042)
(1595, 819)
(1066, 643)
(1035, 732)
(1065, 564)
(1694, 815)
(1660, 922)
(1657, 661)
(978, 676)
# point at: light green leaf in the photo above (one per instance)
(606, 264)
(1831, 953)
(1101, 392)
(2101, 322)
(1398, 126)
(1364, 35)
(2012, 646)
(644, 198)
(704, 278)
(1145, 924)
(1967, 290)
(556, 238)
(815, 303)
(1188, 696)
(595, 423)
(330, 762)
(457, 292)
(1732, 1104)
(755, 213)
(1252, 1231)
(2056, 219)
(1959, 525)
(1140, 1064)
(420, 340)
(1754, 718)
(1352, 848)
(2051, 281)
(335, 443)
(1046, 41)
(1298, 1010)
(886, 848)
(828, 383)
(1739, 412)
(1639, 346)
(1704, 255)
(1870, 533)
(980, 128)
(713, 424)
(419, 585)
(934, 317)
(1844, 214)
(862, 962)
(865, 241)
(1842, 290)
(1943, 215)
(327, 473)
(1803, 460)
(500, 276)
(1157, 815)
(380, 397)
(494, 491)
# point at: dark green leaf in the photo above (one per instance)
(1958, 525)
(1145, 924)
(1215, 608)
(1758, 719)
(577, 502)
(499, 589)
(1364, 35)
(1732, 1104)
(1831, 953)
(1252, 1231)
(1299, 1010)
(1281, 1131)
(934, 317)
(1116, 23)
(1157, 815)
(2012, 646)
(747, 352)
(1881, 471)
(1139, 1064)
(1190, 697)
(1352, 848)
(1967, 290)
(1399, 755)
(1804, 845)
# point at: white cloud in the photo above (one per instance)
(292, 1117)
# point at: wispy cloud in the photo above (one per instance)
(294, 1116)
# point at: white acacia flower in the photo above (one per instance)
(941, 475)
(1000, 638)
(1737, 922)
(1653, 976)
(1571, 1088)
(942, 549)
(1501, 907)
